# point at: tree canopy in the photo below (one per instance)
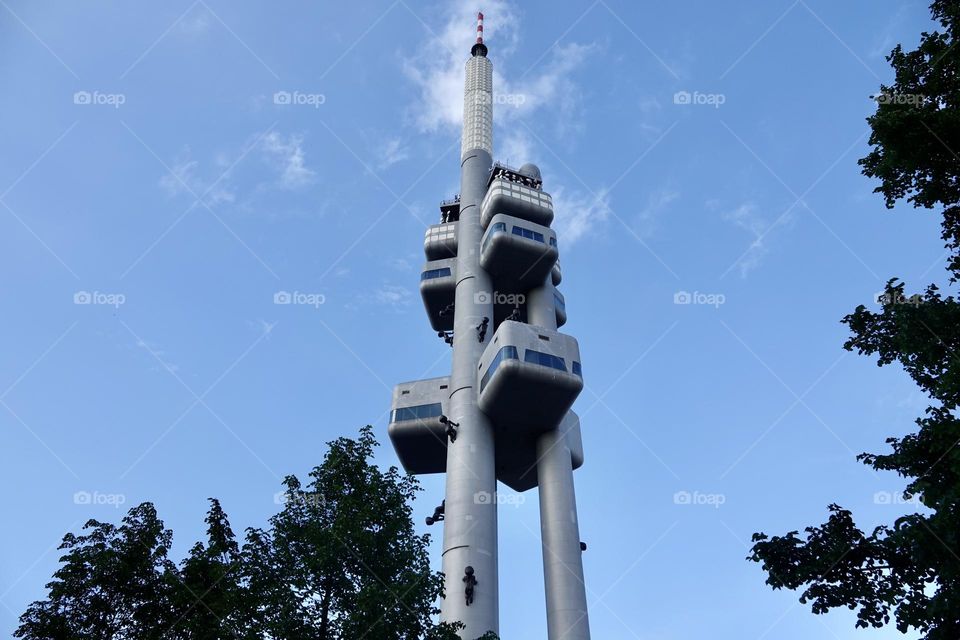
(341, 560)
(906, 572)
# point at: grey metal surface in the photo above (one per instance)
(522, 396)
(515, 262)
(560, 306)
(440, 241)
(517, 200)
(566, 597)
(438, 293)
(420, 443)
(470, 525)
(518, 428)
(566, 593)
(517, 456)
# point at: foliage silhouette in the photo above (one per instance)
(341, 560)
(907, 572)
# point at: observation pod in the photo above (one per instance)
(440, 241)
(517, 200)
(418, 436)
(560, 307)
(517, 453)
(518, 253)
(529, 377)
(438, 286)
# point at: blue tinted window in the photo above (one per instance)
(419, 412)
(497, 227)
(505, 353)
(553, 242)
(527, 233)
(544, 359)
(435, 273)
(575, 367)
(559, 303)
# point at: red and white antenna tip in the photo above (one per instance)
(479, 28)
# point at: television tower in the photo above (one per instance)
(489, 289)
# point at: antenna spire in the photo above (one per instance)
(479, 49)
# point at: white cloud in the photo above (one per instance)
(516, 148)
(158, 357)
(179, 178)
(657, 203)
(400, 264)
(887, 38)
(195, 23)
(396, 297)
(438, 67)
(287, 156)
(578, 214)
(392, 152)
(553, 89)
(183, 179)
(746, 217)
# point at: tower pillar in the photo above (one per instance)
(565, 590)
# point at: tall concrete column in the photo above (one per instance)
(521, 394)
(565, 589)
(470, 525)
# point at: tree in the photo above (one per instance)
(916, 128)
(907, 572)
(208, 599)
(111, 584)
(342, 560)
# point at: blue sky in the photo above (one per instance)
(147, 163)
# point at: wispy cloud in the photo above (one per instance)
(390, 296)
(657, 203)
(183, 179)
(392, 152)
(760, 229)
(579, 214)
(158, 360)
(548, 89)
(437, 70)
(286, 154)
(888, 37)
(195, 23)
(516, 148)
(400, 264)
